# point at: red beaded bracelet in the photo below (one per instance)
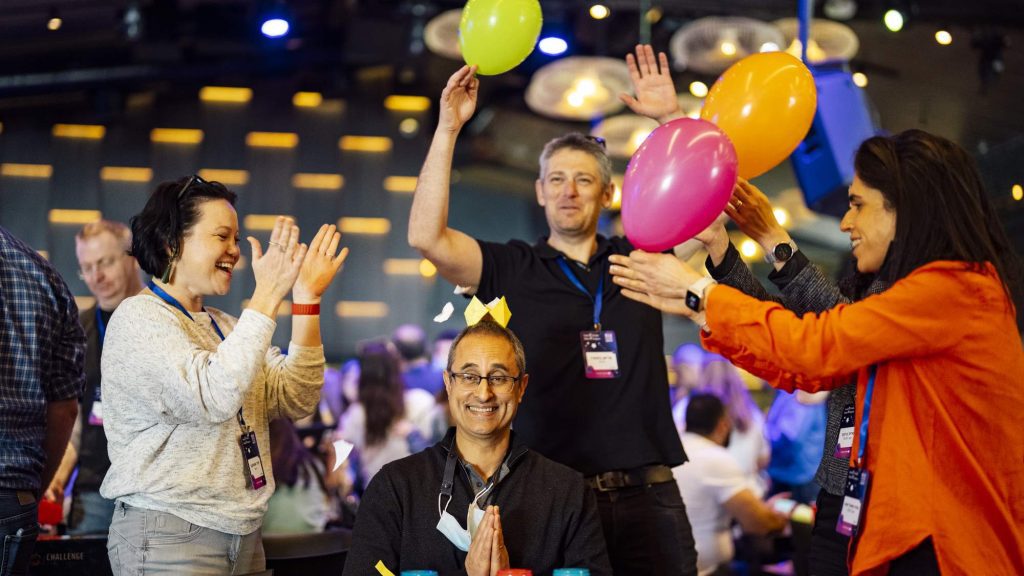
(305, 309)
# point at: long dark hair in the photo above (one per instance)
(380, 390)
(169, 214)
(293, 462)
(942, 210)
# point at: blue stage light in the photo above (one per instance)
(553, 45)
(274, 27)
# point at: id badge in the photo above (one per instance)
(846, 428)
(253, 463)
(600, 354)
(854, 501)
(96, 413)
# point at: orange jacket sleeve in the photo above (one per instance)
(924, 313)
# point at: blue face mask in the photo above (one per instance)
(450, 527)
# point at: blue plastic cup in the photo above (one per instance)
(571, 572)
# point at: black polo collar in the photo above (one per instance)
(548, 252)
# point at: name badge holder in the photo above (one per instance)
(858, 479)
(255, 476)
(96, 413)
(847, 427)
(600, 347)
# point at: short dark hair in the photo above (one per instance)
(488, 327)
(703, 413)
(169, 214)
(410, 340)
(942, 210)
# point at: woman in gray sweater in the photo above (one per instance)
(189, 391)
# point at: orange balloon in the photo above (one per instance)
(765, 103)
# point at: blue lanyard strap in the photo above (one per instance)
(865, 416)
(597, 299)
(174, 302)
(100, 324)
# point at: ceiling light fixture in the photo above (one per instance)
(894, 20)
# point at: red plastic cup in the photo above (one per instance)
(50, 512)
(515, 572)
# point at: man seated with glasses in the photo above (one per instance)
(111, 275)
(479, 500)
(601, 396)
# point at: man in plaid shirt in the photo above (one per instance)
(42, 349)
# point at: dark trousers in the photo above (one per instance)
(19, 527)
(827, 556)
(647, 531)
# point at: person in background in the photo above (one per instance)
(42, 355)
(716, 489)
(417, 371)
(189, 391)
(300, 503)
(687, 363)
(796, 429)
(439, 349)
(480, 500)
(388, 422)
(111, 275)
(747, 442)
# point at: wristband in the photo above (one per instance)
(305, 309)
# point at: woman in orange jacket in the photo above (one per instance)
(938, 358)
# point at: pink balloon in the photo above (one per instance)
(677, 183)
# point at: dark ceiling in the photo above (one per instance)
(914, 82)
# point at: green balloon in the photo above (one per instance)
(496, 35)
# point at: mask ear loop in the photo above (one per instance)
(440, 513)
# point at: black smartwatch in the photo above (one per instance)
(695, 294)
(782, 252)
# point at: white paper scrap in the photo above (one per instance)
(341, 451)
(445, 314)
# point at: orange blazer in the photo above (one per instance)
(946, 438)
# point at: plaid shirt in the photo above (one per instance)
(42, 350)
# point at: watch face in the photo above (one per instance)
(693, 301)
(783, 252)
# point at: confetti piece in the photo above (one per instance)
(382, 569)
(445, 314)
(341, 451)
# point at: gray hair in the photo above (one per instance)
(583, 143)
(488, 327)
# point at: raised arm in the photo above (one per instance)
(652, 84)
(456, 255)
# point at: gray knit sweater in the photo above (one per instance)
(171, 392)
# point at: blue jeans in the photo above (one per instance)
(90, 514)
(647, 531)
(145, 541)
(19, 527)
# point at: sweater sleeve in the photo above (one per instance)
(294, 381)
(899, 323)
(149, 340)
(377, 535)
(585, 544)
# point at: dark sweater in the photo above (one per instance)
(548, 515)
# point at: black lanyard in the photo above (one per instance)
(597, 299)
(174, 302)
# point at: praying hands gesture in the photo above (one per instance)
(652, 83)
(487, 553)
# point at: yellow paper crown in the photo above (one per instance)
(497, 309)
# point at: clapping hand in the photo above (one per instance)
(276, 269)
(322, 263)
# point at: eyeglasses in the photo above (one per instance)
(598, 140)
(105, 263)
(193, 180)
(498, 382)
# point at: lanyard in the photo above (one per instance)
(174, 302)
(597, 299)
(100, 325)
(865, 416)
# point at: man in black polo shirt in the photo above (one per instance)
(599, 397)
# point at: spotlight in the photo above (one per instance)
(893, 20)
(553, 45)
(54, 22)
(599, 11)
(860, 79)
(1018, 192)
(698, 89)
(274, 22)
(943, 37)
